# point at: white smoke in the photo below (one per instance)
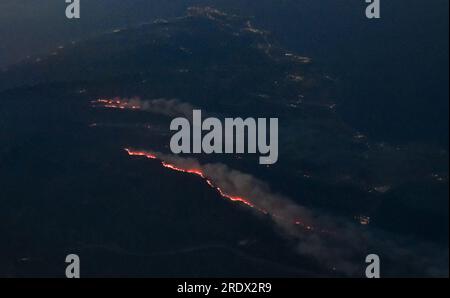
(166, 107)
(334, 242)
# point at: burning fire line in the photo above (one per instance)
(194, 172)
(130, 104)
(115, 103)
(232, 198)
(118, 103)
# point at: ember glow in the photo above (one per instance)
(116, 103)
(210, 183)
(194, 172)
(224, 194)
(161, 106)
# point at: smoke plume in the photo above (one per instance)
(166, 107)
(334, 242)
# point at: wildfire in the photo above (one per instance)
(115, 103)
(194, 172)
(140, 153)
(211, 183)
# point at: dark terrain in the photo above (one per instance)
(68, 187)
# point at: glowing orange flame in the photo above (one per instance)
(210, 183)
(140, 153)
(194, 172)
(116, 103)
(232, 198)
